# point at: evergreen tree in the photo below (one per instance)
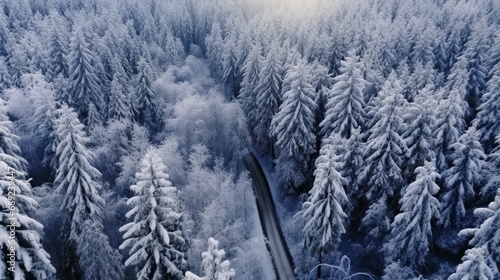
(213, 265)
(487, 235)
(473, 267)
(345, 107)
(230, 70)
(376, 223)
(322, 214)
(268, 94)
(293, 125)
(489, 111)
(411, 232)
(154, 235)
(418, 134)
(476, 53)
(5, 78)
(118, 100)
(450, 125)
(84, 87)
(248, 94)
(386, 150)
(461, 178)
(30, 260)
(98, 259)
(77, 180)
(58, 50)
(145, 107)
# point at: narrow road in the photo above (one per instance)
(282, 260)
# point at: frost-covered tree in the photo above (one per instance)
(119, 107)
(230, 70)
(268, 94)
(461, 178)
(385, 150)
(31, 261)
(450, 124)
(78, 181)
(84, 85)
(487, 235)
(322, 214)
(293, 124)
(474, 266)
(345, 107)
(489, 111)
(155, 234)
(5, 78)
(99, 260)
(58, 48)
(411, 233)
(145, 106)
(248, 93)
(213, 265)
(376, 223)
(419, 133)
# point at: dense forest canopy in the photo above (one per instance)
(381, 120)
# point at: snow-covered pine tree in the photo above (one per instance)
(450, 125)
(213, 265)
(293, 127)
(119, 107)
(77, 180)
(96, 256)
(351, 152)
(386, 150)
(419, 131)
(489, 111)
(145, 107)
(476, 54)
(230, 70)
(58, 48)
(5, 78)
(84, 85)
(31, 260)
(473, 266)
(248, 93)
(155, 234)
(376, 223)
(268, 94)
(411, 232)
(487, 235)
(345, 107)
(461, 178)
(322, 214)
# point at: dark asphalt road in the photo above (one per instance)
(282, 260)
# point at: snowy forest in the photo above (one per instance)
(123, 125)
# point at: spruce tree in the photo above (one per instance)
(78, 181)
(322, 214)
(84, 87)
(419, 132)
(461, 178)
(345, 107)
(248, 93)
(411, 233)
(145, 106)
(489, 111)
(474, 266)
(293, 127)
(17, 203)
(268, 94)
(155, 234)
(386, 150)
